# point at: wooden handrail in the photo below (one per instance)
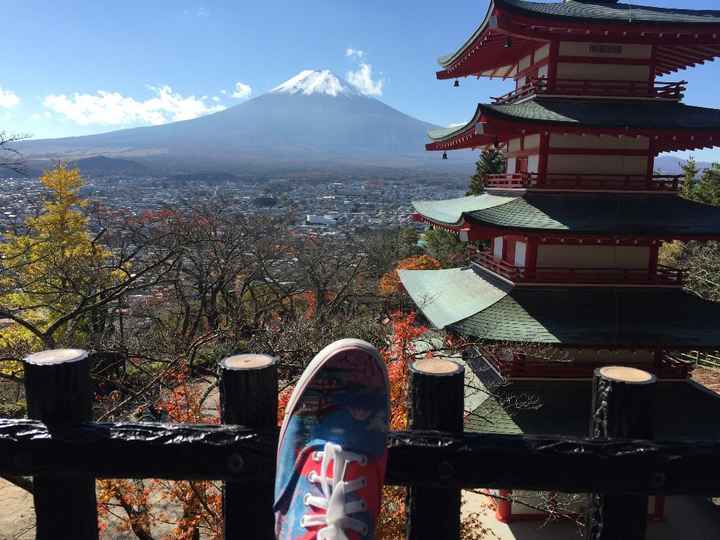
(674, 90)
(522, 365)
(629, 182)
(663, 275)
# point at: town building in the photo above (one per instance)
(570, 279)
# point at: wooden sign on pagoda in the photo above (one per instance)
(569, 279)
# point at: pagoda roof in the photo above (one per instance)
(649, 118)
(572, 316)
(483, 53)
(563, 408)
(619, 214)
(599, 11)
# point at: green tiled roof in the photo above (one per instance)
(564, 409)
(451, 211)
(581, 213)
(612, 113)
(609, 114)
(446, 296)
(598, 316)
(611, 11)
(474, 303)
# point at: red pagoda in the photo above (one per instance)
(571, 280)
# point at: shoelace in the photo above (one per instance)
(335, 520)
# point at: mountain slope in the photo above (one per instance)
(314, 116)
(108, 166)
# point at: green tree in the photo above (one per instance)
(690, 171)
(701, 260)
(444, 247)
(707, 189)
(491, 161)
(57, 278)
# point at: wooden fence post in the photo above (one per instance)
(249, 397)
(437, 402)
(58, 392)
(622, 407)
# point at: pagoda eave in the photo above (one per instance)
(670, 126)
(579, 217)
(487, 52)
(474, 303)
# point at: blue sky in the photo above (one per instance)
(77, 67)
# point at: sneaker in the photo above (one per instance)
(331, 454)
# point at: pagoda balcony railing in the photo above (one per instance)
(663, 275)
(674, 91)
(518, 365)
(627, 182)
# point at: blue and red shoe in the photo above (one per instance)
(332, 454)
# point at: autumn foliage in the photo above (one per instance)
(390, 282)
(183, 510)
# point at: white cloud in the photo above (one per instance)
(8, 99)
(198, 12)
(242, 90)
(114, 109)
(355, 53)
(362, 79)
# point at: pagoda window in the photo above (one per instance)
(542, 53)
(520, 252)
(525, 63)
(511, 164)
(533, 163)
(498, 247)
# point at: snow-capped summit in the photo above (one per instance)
(309, 82)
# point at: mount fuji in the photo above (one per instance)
(315, 117)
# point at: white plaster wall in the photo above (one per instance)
(511, 165)
(532, 141)
(593, 256)
(627, 50)
(596, 142)
(514, 145)
(602, 72)
(578, 164)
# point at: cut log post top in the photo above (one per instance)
(55, 357)
(58, 388)
(247, 361)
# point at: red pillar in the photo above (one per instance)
(503, 508)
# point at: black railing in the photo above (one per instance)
(66, 452)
